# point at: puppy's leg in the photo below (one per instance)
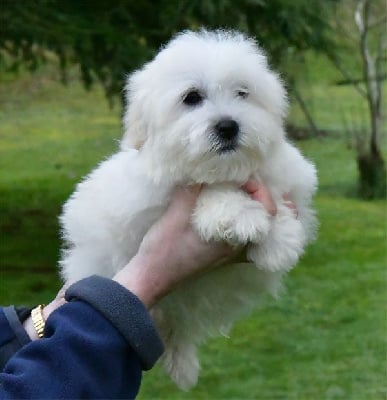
(283, 245)
(224, 212)
(181, 363)
(180, 360)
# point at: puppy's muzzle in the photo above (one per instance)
(227, 132)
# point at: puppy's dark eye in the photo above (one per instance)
(243, 93)
(192, 98)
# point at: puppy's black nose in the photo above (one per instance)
(227, 129)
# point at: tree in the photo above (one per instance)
(109, 39)
(365, 37)
(105, 39)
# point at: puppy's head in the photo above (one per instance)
(206, 109)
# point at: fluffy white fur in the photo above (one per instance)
(167, 142)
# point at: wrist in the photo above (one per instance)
(136, 278)
(28, 326)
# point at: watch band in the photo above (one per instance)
(38, 320)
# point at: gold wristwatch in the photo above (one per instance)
(38, 320)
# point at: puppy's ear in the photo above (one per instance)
(134, 121)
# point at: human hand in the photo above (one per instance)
(173, 252)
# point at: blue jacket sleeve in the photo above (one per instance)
(95, 346)
(12, 334)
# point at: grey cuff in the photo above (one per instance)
(125, 311)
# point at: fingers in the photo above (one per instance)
(260, 193)
(251, 186)
(289, 204)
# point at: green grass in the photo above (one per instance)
(325, 338)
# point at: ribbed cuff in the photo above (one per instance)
(125, 311)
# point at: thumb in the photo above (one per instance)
(186, 196)
(183, 201)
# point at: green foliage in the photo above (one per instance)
(109, 39)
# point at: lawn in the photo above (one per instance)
(325, 338)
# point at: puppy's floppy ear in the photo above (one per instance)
(134, 120)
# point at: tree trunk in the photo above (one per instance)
(372, 168)
(372, 175)
(312, 126)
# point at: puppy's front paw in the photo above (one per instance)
(250, 225)
(282, 248)
(235, 219)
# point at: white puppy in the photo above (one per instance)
(208, 110)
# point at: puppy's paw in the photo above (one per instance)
(251, 224)
(236, 222)
(282, 248)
